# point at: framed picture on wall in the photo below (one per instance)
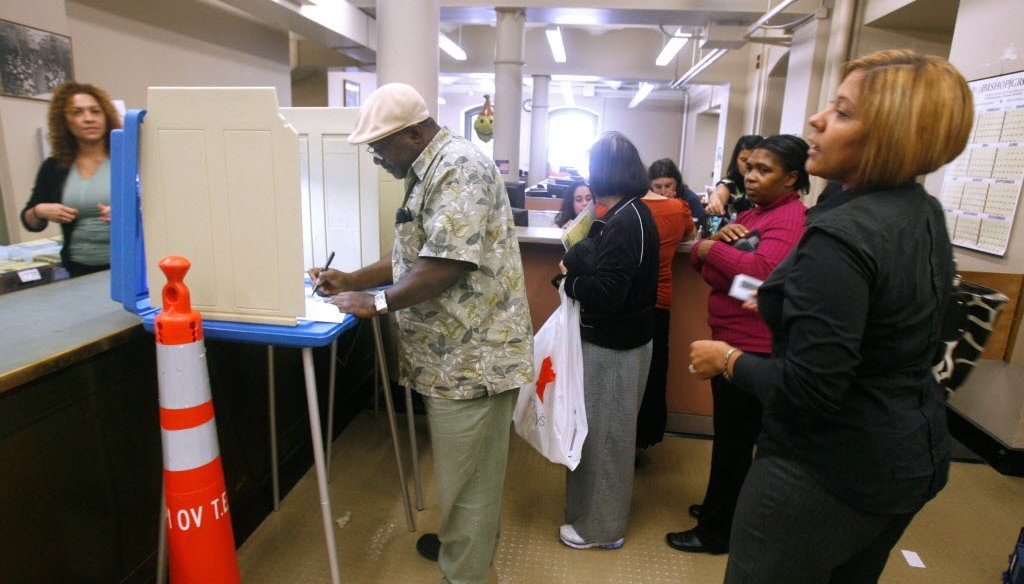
(351, 89)
(32, 62)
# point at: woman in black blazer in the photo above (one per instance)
(854, 439)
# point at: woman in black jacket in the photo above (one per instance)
(73, 186)
(854, 438)
(614, 275)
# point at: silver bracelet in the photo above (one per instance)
(725, 368)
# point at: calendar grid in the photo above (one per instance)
(982, 186)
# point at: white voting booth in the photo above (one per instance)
(339, 189)
(253, 195)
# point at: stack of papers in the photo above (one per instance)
(578, 229)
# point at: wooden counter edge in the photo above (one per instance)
(28, 373)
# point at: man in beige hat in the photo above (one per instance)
(465, 338)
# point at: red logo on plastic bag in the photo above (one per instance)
(547, 375)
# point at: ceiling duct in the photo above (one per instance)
(720, 36)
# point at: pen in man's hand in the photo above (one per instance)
(330, 259)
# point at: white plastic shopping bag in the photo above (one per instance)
(550, 414)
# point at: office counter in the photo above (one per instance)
(58, 325)
(80, 447)
(689, 398)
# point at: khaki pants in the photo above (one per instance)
(469, 439)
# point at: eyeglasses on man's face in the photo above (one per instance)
(377, 151)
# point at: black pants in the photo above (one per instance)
(737, 424)
(650, 422)
(789, 529)
(76, 269)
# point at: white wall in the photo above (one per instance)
(311, 90)
(21, 118)
(987, 41)
(701, 138)
(804, 78)
(125, 46)
(872, 39)
(987, 33)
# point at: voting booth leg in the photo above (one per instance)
(376, 390)
(333, 371)
(415, 451)
(382, 367)
(161, 544)
(275, 480)
(201, 545)
(318, 461)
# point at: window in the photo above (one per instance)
(571, 133)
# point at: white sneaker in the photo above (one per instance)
(567, 533)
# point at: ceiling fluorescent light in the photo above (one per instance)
(696, 70)
(555, 40)
(671, 48)
(448, 45)
(641, 94)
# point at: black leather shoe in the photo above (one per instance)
(689, 541)
(695, 511)
(429, 546)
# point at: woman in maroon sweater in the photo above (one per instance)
(753, 245)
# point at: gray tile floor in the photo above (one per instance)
(964, 536)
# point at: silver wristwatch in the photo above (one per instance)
(380, 302)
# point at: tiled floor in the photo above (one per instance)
(964, 536)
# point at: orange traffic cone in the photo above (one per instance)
(200, 542)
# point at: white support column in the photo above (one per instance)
(508, 87)
(407, 52)
(539, 130)
(407, 45)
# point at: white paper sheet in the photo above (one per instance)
(913, 559)
(318, 310)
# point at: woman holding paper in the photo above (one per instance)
(752, 245)
(613, 273)
(73, 186)
(855, 439)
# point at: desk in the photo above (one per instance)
(55, 326)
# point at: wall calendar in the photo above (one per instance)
(982, 186)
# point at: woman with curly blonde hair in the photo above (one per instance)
(73, 185)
